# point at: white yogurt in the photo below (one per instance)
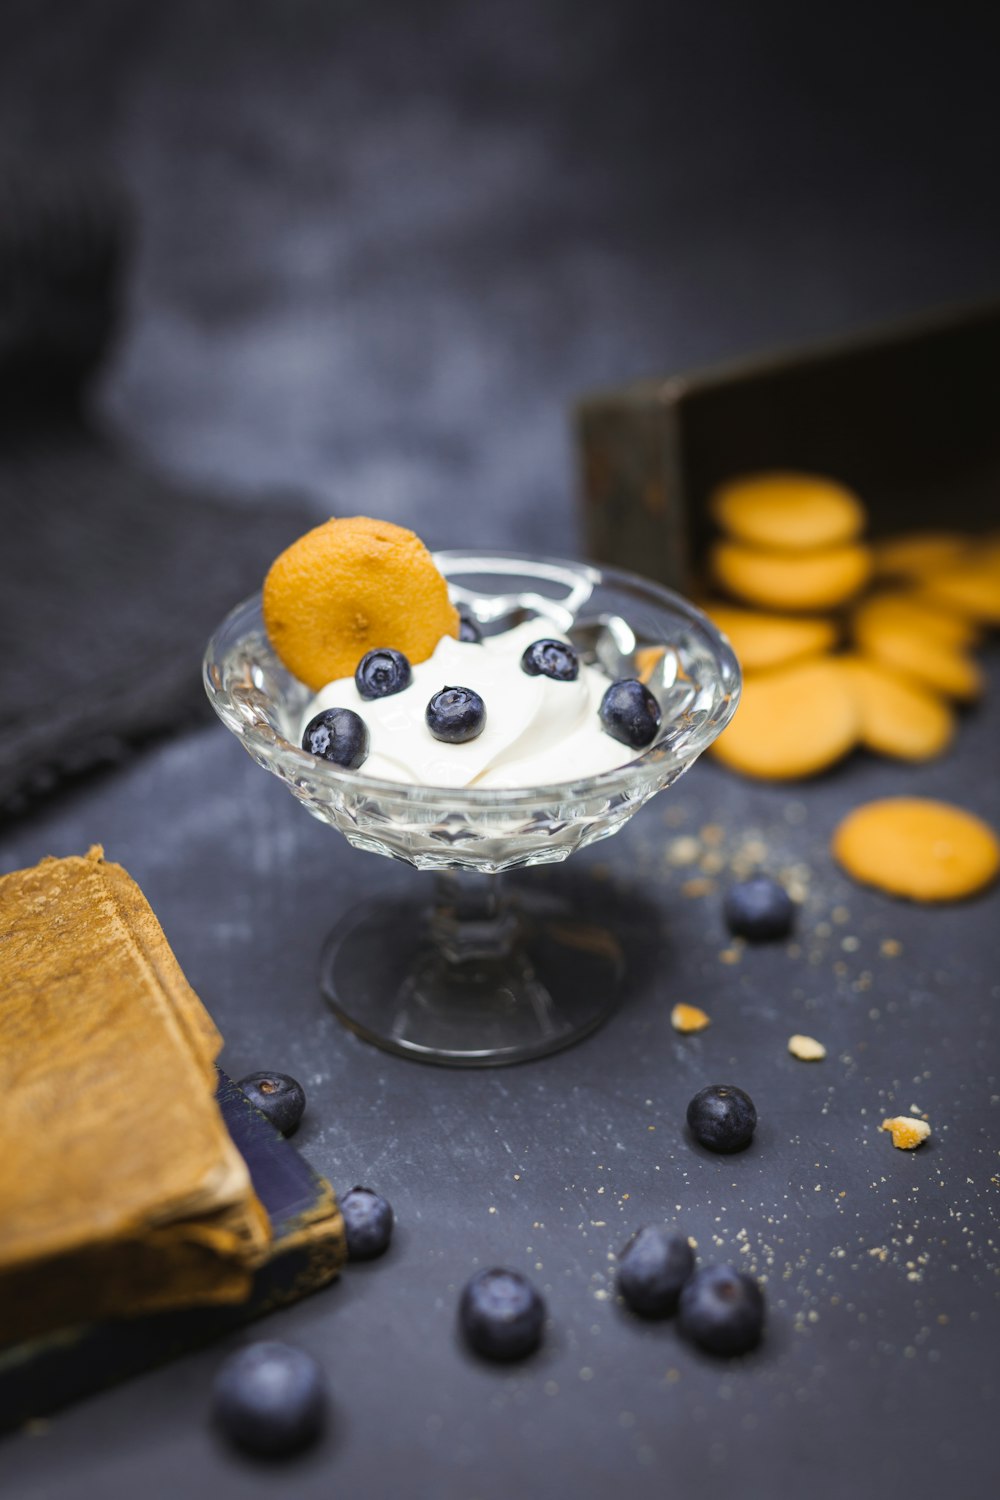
(537, 730)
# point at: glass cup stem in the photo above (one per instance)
(477, 977)
(471, 917)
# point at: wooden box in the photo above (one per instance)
(909, 417)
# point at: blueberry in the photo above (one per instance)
(278, 1097)
(501, 1314)
(722, 1310)
(652, 1268)
(630, 713)
(381, 673)
(367, 1223)
(456, 714)
(759, 909)
(722, 1117)
(555, 659)
(468, 629)
(270, 1398)
(339, 735)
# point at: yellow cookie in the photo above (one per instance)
(972, 589)
(350, 586)
(787, 512)
(918, 554)
(931, 662)
(762, 640)
(787, 580)
(792, 722)
(898, 717)
(911, 846)
(916, 612)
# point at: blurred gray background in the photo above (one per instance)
(383, 245)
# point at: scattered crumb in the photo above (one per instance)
(697, 887)
(907, 1133)
(683, 850)
(754, 851)
(730, 955)
(890, 948)
(806, 1048)
(689, 1018)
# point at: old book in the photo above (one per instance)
(120, 1188)
(308, 1248)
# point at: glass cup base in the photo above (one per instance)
(522, 981)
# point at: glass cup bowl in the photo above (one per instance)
(476, 977)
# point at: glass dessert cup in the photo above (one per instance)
(469, 975)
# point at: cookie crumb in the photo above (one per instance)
(806, 1048)
(689, 1018)
(907, 1133)
(683, 850)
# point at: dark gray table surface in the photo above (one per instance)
(382, 249)
(880, 1368)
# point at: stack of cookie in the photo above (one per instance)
(842, 643)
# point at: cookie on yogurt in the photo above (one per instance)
(351, 586)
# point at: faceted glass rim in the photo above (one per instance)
(644, 771)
